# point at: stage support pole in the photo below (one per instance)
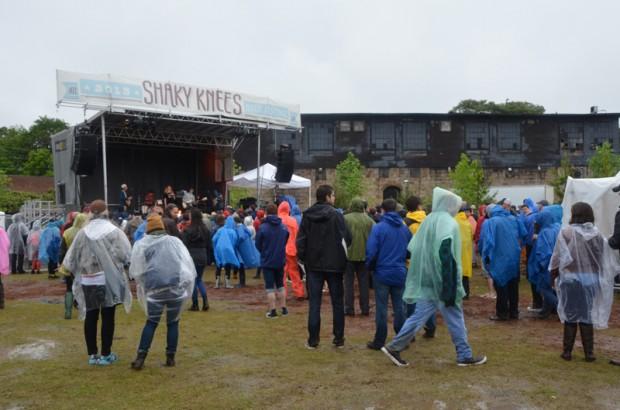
(105, 159)
(258, 176)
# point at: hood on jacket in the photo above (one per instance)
(393, 218)
(284, 209)
(260, 214)
(273, 220)
(557, 212)
(498, 211)
(461, 215)
(36, 225)
(71, 217)
(529, 202)
(17, 218)
(357, 205)
(417, 216)
(295, 211)
(545, 218)
(248, 221)
(54, 224)
(321, 211)
(446, 201)
(80, 220)
(482, 209)
(230, 223)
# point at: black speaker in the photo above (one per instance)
(84, 151)
(286, 164)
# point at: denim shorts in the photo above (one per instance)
(274, 279)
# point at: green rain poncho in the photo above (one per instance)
(434, 272)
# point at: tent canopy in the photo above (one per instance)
(596, 192)
(268, 179)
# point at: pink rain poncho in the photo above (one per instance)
(4, 253)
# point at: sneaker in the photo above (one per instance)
(284, 311)
(533, 309)
(339, 343)
(271, 314)
(372, 346)
(107, 360)
(92, 359)
(472, 361)
(311, 347)
(217, 283)
(394, 357)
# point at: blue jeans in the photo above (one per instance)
(453, 316)
(199, 286)
(431, 323)
(550, 299)
(382, 292)
(155, 310)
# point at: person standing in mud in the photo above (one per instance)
(4, 261)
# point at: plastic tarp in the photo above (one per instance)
(268, 179)
(596, 192)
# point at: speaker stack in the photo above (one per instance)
(84, 151)
(286, 164)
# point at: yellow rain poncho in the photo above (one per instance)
(467, 237)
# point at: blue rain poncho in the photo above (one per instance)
(225, 242)
(501, 250)
(587, 267)
(538, 263)
(18, 233)
(49, 244)
(427, 278)
(164, 272)
(246, 250)
(529, 221)
(140, 232)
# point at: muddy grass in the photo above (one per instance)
(232, 357)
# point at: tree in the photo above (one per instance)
(349, 180)
(39, 163)
(236, 194)
(469, 181)
(604, 163)
(562, 173)
(489, 107)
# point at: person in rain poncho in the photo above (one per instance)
(290, 268)
(225, 242)
(4, 261)
(49, 247)
(467, 237)
(434, 280)
(97, 258)
(528, 219)
(164, 272)
(584, 266)
(32, 247)
(501, 253)
(246, 251)
(67, 239)
(249, 223)
(18, 233)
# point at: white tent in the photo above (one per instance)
(596, 192)
(267, 172)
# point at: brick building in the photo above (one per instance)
(413, 152)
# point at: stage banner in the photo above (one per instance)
(107, 91)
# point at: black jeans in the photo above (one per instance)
(17, 262)
(107, 330)
(507, 302)
(356, 269)
(315, 282)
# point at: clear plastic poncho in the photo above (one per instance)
(164, 272)
(587, 268)
(32, 243)
(18, 232)
(100, 246)
(424, 278)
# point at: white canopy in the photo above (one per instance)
(268, 179)
(596, 192)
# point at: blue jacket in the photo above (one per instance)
(538, 263)
(529, 221)
(225, 242)
(386, 250)
(271, 241)
(140, 232)
(501, 249)
(49, 242)
(246, 251)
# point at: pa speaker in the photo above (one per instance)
(84, 151)
(286, 164)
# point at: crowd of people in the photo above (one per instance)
(420, 261)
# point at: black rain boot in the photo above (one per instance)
(170, 360)
(138, 364)
(570, 332)
(587, 340)
(205, 305)
(194, 307)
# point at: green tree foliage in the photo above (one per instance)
(236, 194)
(349, 180)
(11, 201)
(561, 174)
(490, 107)
(21, 149)
(604, 163)
(469, 181)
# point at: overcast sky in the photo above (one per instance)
(327, 56)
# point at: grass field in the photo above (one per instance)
(233, 357)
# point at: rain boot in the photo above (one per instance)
(1, 295)
(570, 332)
(228, 284)
(68, 304)
(217, 282)
(170, 360)
(587, 340)
(138, 364)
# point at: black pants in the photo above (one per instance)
(356, 269)
(107, 330)
(315, 281)
(507, 302)
(51, 267)
(17, 262)
(218, 271)
(69, 283)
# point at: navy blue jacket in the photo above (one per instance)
(271, 241)
(386, 250)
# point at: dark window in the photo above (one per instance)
(476, 136)
(384, 172)
(382, 136)
(321, 174)
(571, 136)
(414, 172)
(414, 136)
(509, 136)
(359, 126)
(320, 137)
(62, 193)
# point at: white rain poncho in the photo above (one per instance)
(164, 272)
(18, 232)
(587, 266)
(99, 247)
(426, 279)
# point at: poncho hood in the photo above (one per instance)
(17, 218)
(98, 228)
(284, 209)
(248, 221)
(446, 201)
(273, 220)
(393, 218)
(417, 216)
(529, 202)
(357, 205)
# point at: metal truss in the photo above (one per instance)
(134, 136)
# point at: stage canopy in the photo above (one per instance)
(267, 179)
